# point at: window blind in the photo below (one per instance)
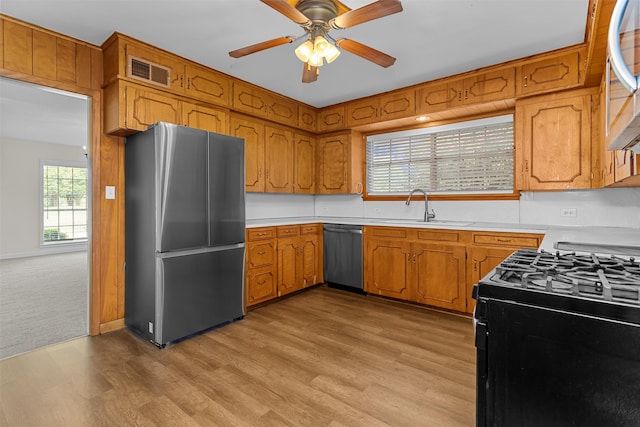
(476, 157)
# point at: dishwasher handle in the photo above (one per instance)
(340, 230)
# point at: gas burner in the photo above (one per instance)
(589, 276)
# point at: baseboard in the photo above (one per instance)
(114, 325)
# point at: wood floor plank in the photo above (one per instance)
(323, 357)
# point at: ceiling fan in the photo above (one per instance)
(317, 18)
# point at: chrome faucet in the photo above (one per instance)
(427, 215)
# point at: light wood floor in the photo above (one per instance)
(321, 358)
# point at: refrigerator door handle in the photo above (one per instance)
(198, 251)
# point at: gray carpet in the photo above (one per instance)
(43, 301)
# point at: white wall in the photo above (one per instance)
(615, 207)
(20, 206)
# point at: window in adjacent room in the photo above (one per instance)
(473, 157)
(64, 202)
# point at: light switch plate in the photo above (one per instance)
(110, 192)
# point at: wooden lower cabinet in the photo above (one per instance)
(398, 264)
(282, 260)
(487, 250)
(261, 280)
(299, 257)
(439, 275)
(435, 267)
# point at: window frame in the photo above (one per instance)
(444, 124)
(71, 164)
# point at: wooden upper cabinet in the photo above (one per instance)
(278, 160)
(331, 118)
(380, 108)
(151, 64)
(253, 100)
(432, 97)
(307, 118)
(205, 118)
(304, 164)
(46, 55)
(130, 108)
(207, 85)
(553, 142)
(490, 86)
(549, 74)
(252, 131)
(333, 164)
(478, 89)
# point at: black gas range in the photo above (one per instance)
(558, 341)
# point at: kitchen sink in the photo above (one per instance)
(435, 222)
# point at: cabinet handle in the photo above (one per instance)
(526, 165)
(525, 80)
(262, 252)
(475, 265)
(414, 258)
(459, 96)
(188, 83)
(408, 257)
(262, 282)
(504, 240)
(466, 94)
(181, 82)
(262, 234)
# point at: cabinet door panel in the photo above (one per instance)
(289, 267)
(261, 253)
(205, 118)
(331, 118)
(145, 108)
(261, 285)
(549, 74)
(207, 85)
(397, 105)
(437, 96)
(279, 160)
(439, 274)
(387, 272)
(555, 144)
(491, 86)
(253, 134)
(304, 172)
(310, 253)
(332, 165)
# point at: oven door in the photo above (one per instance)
(545, 367)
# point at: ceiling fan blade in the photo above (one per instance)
(366, 13)
(366, 52)
(287, 10)
(309, 73)
(260, 46)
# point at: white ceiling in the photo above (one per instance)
(429, 38)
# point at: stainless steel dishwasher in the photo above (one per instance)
(343, 256)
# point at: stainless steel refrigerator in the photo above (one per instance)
(184, 228)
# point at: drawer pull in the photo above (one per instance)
(262, 252)
(262, 282)
(262, 234)
(504, 240)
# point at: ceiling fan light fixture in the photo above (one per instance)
(304, 51)
(315, 60)
(331, 54)
(320, 46)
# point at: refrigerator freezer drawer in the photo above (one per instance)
(198, 291)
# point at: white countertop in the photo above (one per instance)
(552, 234)
(412, 223)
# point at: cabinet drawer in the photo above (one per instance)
(515, 240)
(261, 233)
(388, 232)
(287, 231)
(310, 229)
(261, 254)
(439, 235)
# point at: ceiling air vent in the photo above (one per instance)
(147, 71)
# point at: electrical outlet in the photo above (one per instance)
(569, 212)
(110, 192)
